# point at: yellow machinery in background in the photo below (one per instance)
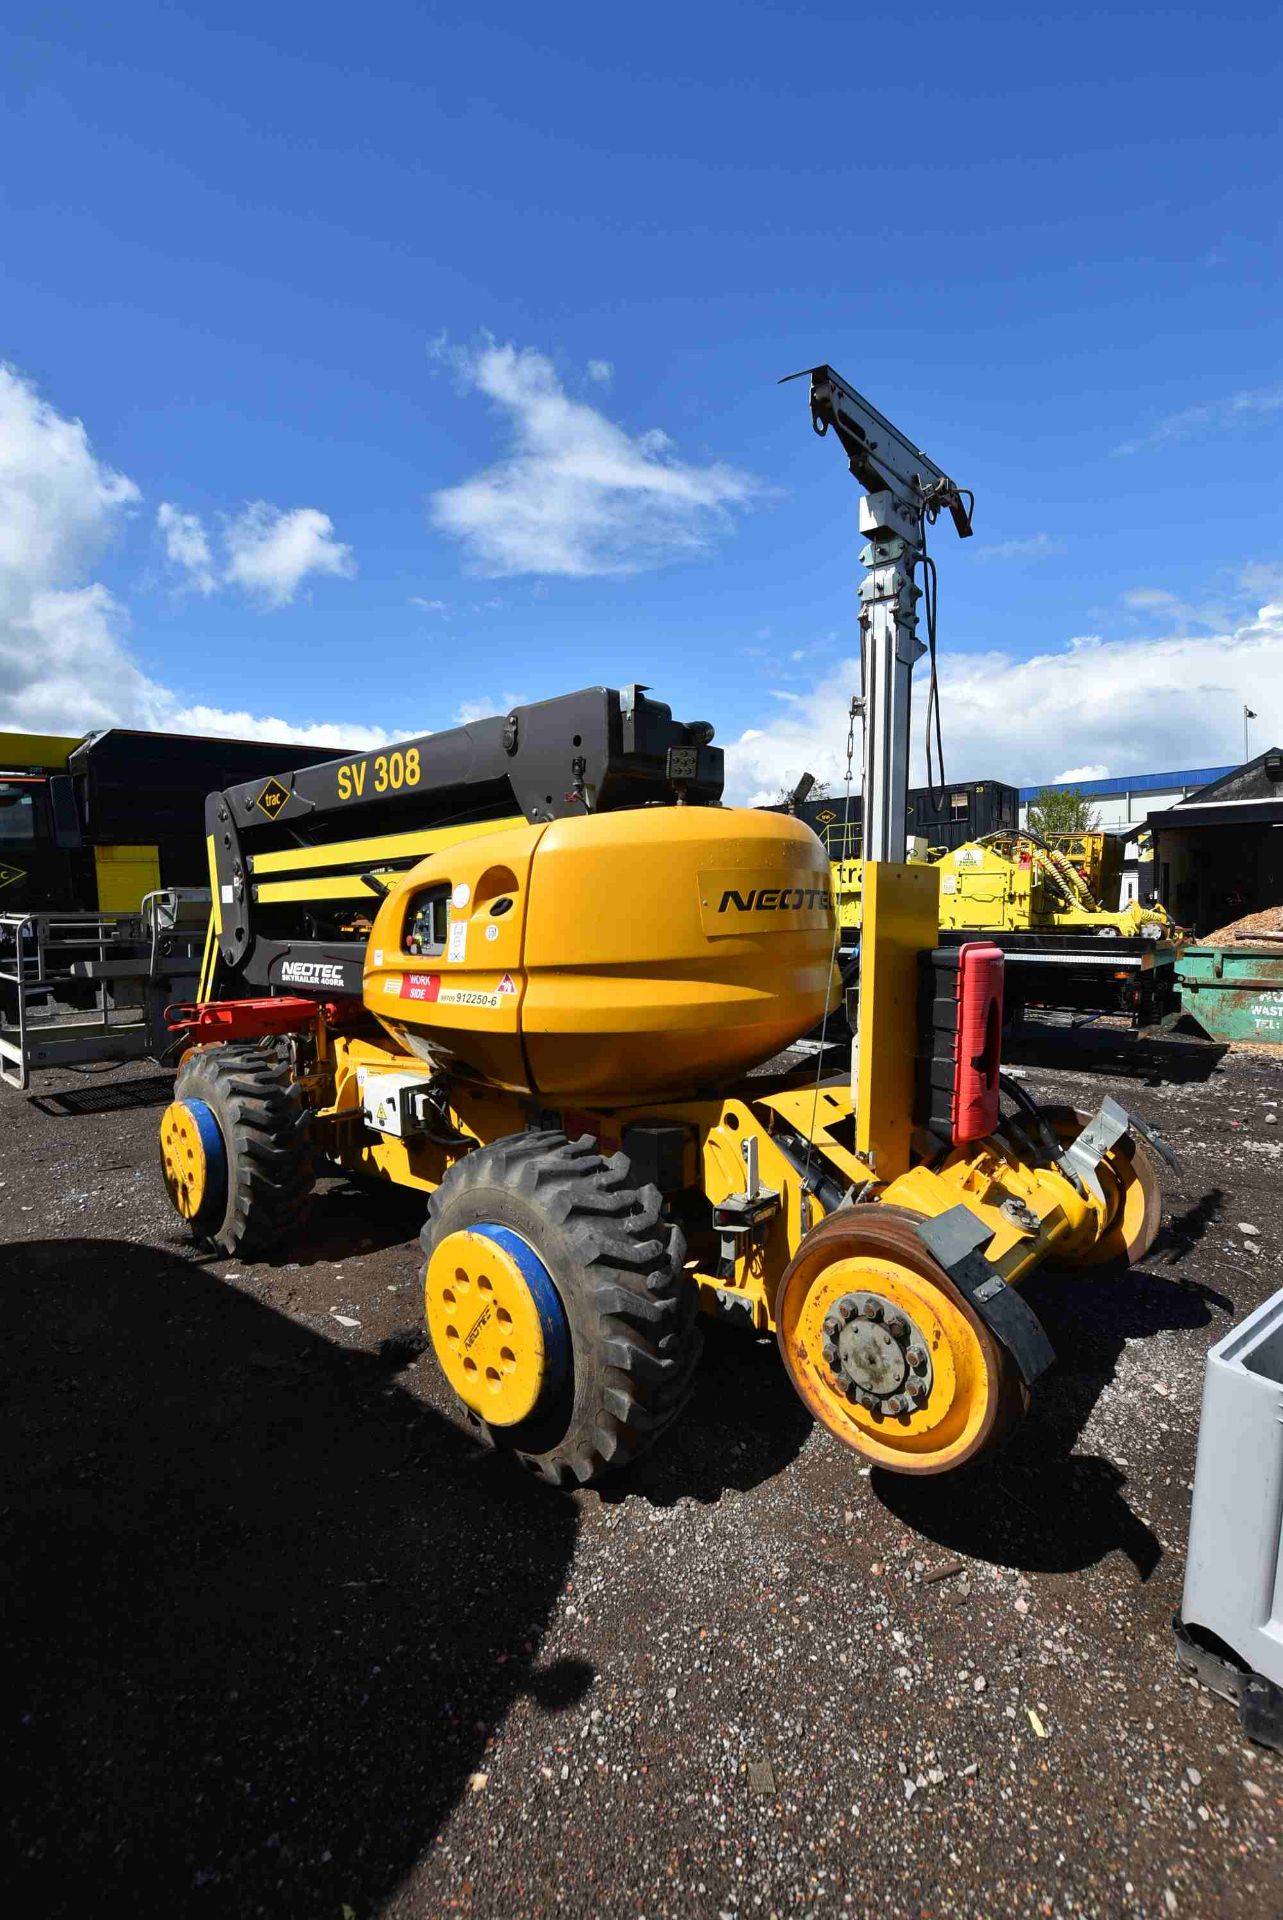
(1097, 859)
(555, 1019)
(1014, 882)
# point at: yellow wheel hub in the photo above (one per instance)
(496, 1323)
(193, 1158)
(886, 1356)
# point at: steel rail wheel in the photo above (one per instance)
(886, 1352)
(1130, 1179)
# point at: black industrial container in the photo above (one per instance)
(965, 810)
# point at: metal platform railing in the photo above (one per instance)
(81, 988)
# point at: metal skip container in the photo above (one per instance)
(1234, 993)
(1230, 1628)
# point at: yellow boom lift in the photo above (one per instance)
(531, 966)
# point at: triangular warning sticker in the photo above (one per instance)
(506, 984)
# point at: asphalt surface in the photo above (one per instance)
(280, 1640)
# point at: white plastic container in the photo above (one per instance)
(1234, 1570)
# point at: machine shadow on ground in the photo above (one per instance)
(350, 1217)
(713, 1447)
(1154, 1060)
(1037, 1505)
(261, 1611)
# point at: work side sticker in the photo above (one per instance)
(428, 988)
(765, 900)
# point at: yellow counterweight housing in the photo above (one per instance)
(612, 958)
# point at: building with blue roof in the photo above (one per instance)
(1128, 799)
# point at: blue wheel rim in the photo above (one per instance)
(552, 1314)
(214, 1203)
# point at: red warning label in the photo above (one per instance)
(420, 986)
(506, 984)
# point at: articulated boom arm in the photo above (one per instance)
(299, 860)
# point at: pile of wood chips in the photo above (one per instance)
(1263, 929)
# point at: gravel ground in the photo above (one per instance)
(285, 1642)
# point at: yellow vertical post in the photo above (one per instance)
(214, 929)
(901, 920)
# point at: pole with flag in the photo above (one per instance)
(1247, 715)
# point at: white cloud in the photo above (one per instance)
(601, 371)
(1037, 546)
(576, 494)
(1234, 410)
(472, 710)
(429, 606)
(1132, 705)
(271, 551)
(187, 546)
(172, 717)
(65, 666)
(1097, 772)
(1150, 599)
(60, 507)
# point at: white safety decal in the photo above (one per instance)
(461, 895)
(458, 948)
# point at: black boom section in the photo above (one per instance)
(592, 751)
(596, 751)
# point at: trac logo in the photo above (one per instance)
(272, 798)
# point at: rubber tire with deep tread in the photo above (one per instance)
(264, 1122)
(618, 1267)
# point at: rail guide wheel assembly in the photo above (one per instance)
(886, 1351)
(1130, 1184)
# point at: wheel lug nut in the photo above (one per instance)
(917, 1359)
(846, 1311)
(919, 1392)
(871, 1310)
(898, 1328)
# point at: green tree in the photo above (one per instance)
(1056, 810)
(818, 791)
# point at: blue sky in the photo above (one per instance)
(426, 361)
